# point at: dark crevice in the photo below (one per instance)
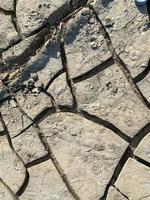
(106, 124)
(42, 33)
(117, 172)
(46, 26)
(43, 114)
(139, 136)
(77, 79)
(40, 117)
(66, 70)
(50, 152)
(7, 98)
(121, 192)
(22, 131)
(10, 46)
(6, 12)
(141, 160)
(6, 132)
(21, 60)
(57, 165)
(64, 15)
(107, 63)
(26, 180)
(118, 60)
(51, 110)
(14, 196)
(2, 133)
(128, 153)
(52, 99)
(143, 74)
(14, 20)
(24, 185)
(53, 78)
(41, 36)
(38, 161)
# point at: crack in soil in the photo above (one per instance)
(120, 192)
(118, 60)
(127, 154)
(26, 180)
(46, 34)
(14, 196)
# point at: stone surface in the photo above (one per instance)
(114, 194)
(8, 34)
(34, 14)
(85, 46)
(134, 181)
(18, 52)
(143, 150)
(109, 96)
(127, 33)
(144, 87)
(14, 119)
(34, 104)
(91, 152)
(45, 183)
(7, 5)
(62, 93)
(89, 140)
(29, 146)
(5, 194)
(12, 170)
(46, 63)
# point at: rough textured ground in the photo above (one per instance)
(74, 100)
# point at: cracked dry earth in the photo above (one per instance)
(74, 100)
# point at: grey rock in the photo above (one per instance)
(7, 5)
(89, 158)
(11, 166)
(8, 34)
(143, 150)
(45, 183)
(109, 96)
(144, 86)
(5, 193)
(33, 14)
(114, 194)
(60, 91)
(134, 180)
(29, 146)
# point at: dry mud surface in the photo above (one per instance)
(74, 100)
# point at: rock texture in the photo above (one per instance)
(7, 5)
(12, 169)
(136, 184)
(74, 100)
(8, 34)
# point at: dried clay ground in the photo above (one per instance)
(74, 100)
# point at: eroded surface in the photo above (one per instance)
(74, 100)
